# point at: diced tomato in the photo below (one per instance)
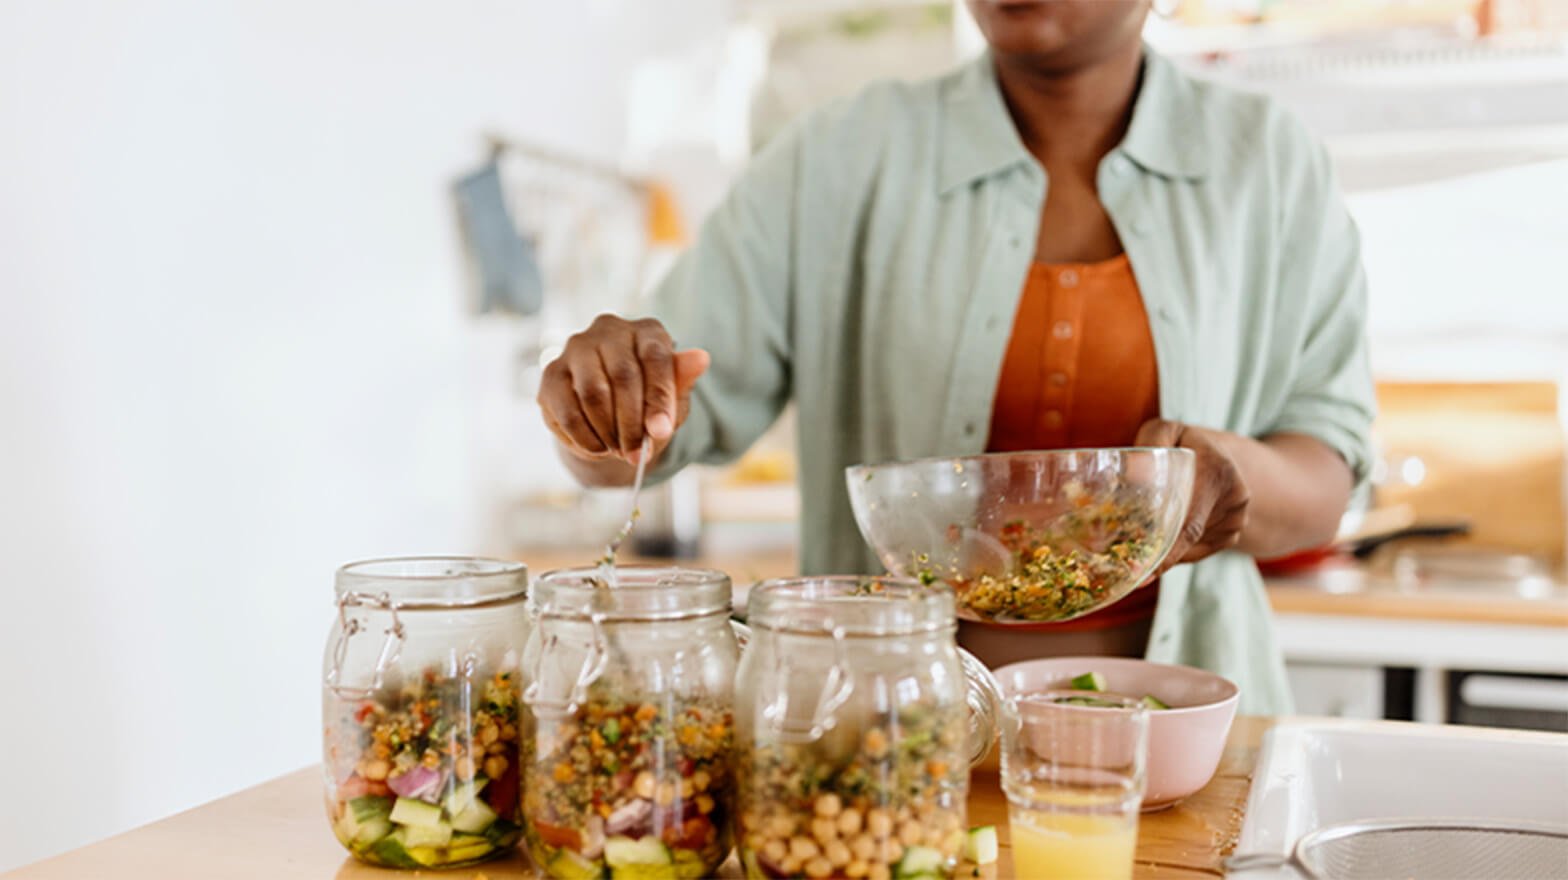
(559, 836)
(358, 786)
(501, 793)
(686, 767)
(364, 711)
(695, 833)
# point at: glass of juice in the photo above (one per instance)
(1073, 770)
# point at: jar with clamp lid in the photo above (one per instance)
(420, 697)
(857, 718)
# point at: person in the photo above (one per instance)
(1067, 242)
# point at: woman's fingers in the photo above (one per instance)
(616, 383)
(563, 413)
(655, 353)
(626, 386)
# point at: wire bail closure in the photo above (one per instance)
(348, 627)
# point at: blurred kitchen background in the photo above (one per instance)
(277, 280)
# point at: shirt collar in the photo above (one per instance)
(1167, 135)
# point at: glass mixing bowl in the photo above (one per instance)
(1027, 536)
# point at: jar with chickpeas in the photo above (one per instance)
(628, 724)
(857, 719)
(420, 708)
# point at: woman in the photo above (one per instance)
(1067, 242)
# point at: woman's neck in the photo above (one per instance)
(1074, 116)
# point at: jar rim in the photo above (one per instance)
(434, 582)
(641, 593)
(851, 605)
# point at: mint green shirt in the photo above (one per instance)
(869, 262)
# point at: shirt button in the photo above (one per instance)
(1053, 419)
(1062, 330)
(1069, 278)
(1058, 379)
(1140, 228)
(992, 323)
(1015, 242)
(969, 429)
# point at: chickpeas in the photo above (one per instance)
(879, 871)
(495, 766)
(890, 851)
(700, 780)
(705, 803)
(856, 869)
(781, 825)
(879, 823)
(775, 851)
(464, 767)
(863, 848)
(824, 830)
(803, 848)
(819, 867)
(875, 743)
(687, 789)
(790, 866)
(837, 852)
(377, 769)
(498, 748)
(828, 805)
(849, 822)
(664, 794)
(487, 734)
(643, 785)
(909, 833)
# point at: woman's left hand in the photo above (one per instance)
(1220, 497)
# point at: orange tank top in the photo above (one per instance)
(1079, 372)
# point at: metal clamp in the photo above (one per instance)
(348, 627)
(592, 667)
(835, 693)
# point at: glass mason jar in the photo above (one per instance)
(628, 720)
(857, 719)
(419, 708)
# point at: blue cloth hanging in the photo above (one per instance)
(508, 265)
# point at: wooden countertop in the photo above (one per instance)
(279, 829)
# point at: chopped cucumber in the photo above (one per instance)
(568, 865)
(1154, 702)
(390, 851)
(688, 866)
(643, 872)
(1090, 701)
(464, 794)
(981, 846)
(475, 818)
(919, 861)
(502, 833)
(427, 835)
(364, 821)
(413, 811)
(623, 852)
(1089, 681)
(370, 807)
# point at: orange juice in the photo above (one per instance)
(1049, 845)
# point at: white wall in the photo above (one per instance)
(234, 353)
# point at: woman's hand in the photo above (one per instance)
(1220, 497)
(1265, 497)
(613, 384)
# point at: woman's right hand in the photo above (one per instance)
(616, 382)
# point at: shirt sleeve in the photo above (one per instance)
(1331, 395)
(731, 293)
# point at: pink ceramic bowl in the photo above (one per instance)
(1185, 741)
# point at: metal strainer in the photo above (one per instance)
(1423, 849)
